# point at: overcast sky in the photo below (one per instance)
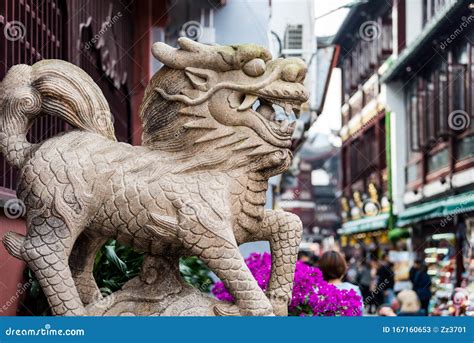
(329, 24)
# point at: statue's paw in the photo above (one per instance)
(231, 310)
(279, 304)
(226, 310)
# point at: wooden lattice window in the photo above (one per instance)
(31, 31)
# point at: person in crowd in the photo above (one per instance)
(364, 280)
(409, 303)
(304, 257)
(314, 260)
(385, 310)
(375, 300)
(385, 281)
(421, 282)
(351, 275)
(333, 267)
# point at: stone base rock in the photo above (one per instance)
(159, 291)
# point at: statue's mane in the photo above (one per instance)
(167, 125)
(162, 127)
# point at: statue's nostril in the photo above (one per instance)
(290, 73)
(301, 75)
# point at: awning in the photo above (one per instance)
(364, 225)
(450, 206)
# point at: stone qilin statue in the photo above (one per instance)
(195, 187)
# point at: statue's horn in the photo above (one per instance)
(193, 54)
(190, 45)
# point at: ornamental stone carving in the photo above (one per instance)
(196, 187)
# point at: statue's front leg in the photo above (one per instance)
(283, 230)
(210, 238)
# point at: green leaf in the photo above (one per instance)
(113, 258)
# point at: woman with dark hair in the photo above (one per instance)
(333, 267)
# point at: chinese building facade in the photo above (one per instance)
(366, 44)
(433, 140)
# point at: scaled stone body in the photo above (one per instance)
(211, 140)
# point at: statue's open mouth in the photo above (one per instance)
(277, 107)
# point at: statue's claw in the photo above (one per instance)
(279, 304)
(226, 310)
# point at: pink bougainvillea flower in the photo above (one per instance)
(312, 296)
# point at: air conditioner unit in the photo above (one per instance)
(293, 40)
(208, 35)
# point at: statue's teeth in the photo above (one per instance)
(284, 125)
(266, 111)
(248, 102)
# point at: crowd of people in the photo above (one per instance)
(373, 279)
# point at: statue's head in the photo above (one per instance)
(223, 95)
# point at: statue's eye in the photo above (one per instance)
(255, 67)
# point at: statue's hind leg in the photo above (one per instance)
(81, 263)
(46, 250)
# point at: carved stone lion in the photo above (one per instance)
(197, 186)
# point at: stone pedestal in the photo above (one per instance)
(159, 290)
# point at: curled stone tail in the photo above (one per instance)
(52, 87)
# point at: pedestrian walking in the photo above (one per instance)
(385, 282)
(364, 280)
(421, 282)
